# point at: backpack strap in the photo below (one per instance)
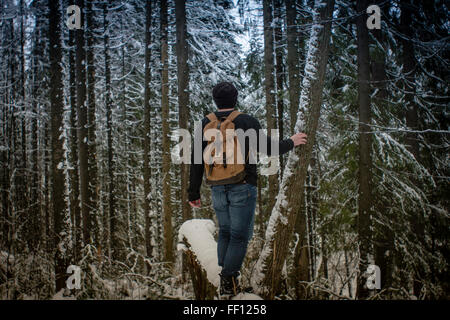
(212, 117)
(233, 115)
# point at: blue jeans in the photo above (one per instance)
(234, 205)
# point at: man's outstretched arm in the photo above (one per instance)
(284, 146)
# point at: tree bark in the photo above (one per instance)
(147, 130)
(290, 197)
(365, 149)
(109, 217)
(292, 60)
(74, 177)
(269, 84)
(82, 114)
(92, 150)
(166, 159)
(23, 177)
(384, 242)
(417, 219)
(183, 94)
(57, 152)
(279, 71)
(183, 102)
(35, 234)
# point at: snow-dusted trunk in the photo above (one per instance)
(74, 177)
(365, 149)
(83, 152)
(167, 208)
(92, 149)
(57, 152)
(384, 241)
(109, 217)
(147, 138)
(23, 178)
(267, 276)
(35, 209)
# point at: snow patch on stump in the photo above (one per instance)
(200, 235)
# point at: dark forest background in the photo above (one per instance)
(86, 116)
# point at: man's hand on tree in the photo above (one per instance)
(299, 138)
(195, 204)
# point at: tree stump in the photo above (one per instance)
(196, 240)
(203, 289)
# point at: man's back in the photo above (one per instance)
(242, 122)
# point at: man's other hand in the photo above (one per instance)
(195, 204)
(299, 138)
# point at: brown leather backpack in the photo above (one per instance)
(223, 165)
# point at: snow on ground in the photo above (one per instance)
(4, 258)
(60, 295)
(246, 296)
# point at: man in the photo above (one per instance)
(234, 204)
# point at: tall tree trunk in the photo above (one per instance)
(8, 123)
(167, 209)
(121, 221)
(35, 186)
(365, 149)
(92, 153)
(13, 157)
(269, 85)
(57, 152)
(279, 70)
(304, 255)
(74, 177)
(23, 189)
(109, 217)
(183, 94)
(301, 273)
(82, 113)
(267, 276)
(384, 242)
(292, 60)
(183, 102)
(417, 219)
(147, 131)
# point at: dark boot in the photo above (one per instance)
(229, 285)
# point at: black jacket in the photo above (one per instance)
(244, 122)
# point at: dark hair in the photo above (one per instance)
(225, 95)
